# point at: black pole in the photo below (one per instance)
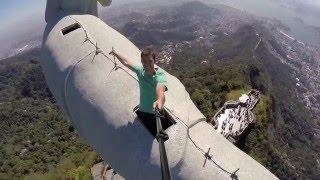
(162, 136)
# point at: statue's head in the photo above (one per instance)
(57, 8)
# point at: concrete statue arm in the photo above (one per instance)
(105, 2)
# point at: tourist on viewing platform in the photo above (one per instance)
(152, 83)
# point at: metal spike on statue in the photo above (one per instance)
(101, 108)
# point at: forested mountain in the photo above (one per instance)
(36, 140)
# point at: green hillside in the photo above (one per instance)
(36, 140)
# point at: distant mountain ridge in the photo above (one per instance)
(286, 121)
(23, 48)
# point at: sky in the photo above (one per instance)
(13, 11)
(312, 2)
(22, 21)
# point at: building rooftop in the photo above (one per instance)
(235, 117)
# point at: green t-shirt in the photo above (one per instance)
(148, 84)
